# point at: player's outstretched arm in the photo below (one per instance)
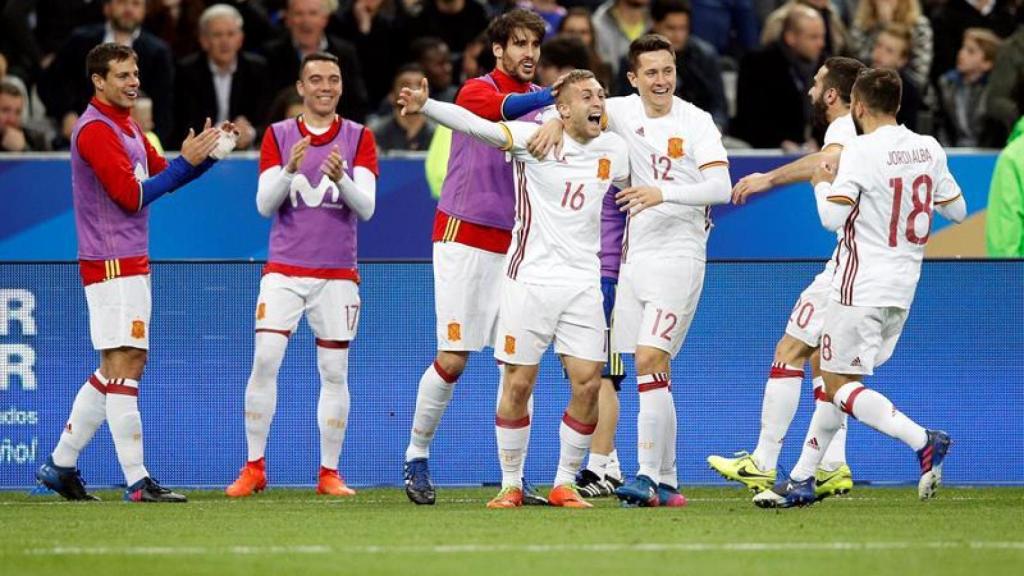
(714, 189)
(834, 202)
(455, 117)
(799, 170)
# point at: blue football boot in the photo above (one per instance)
(787, 493)
(66, 481)
(930, 458)
(642, 492)
(418, 486)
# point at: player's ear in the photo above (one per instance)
(632, 78)
(498, 50)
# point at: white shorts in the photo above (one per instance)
(331, 306)
(119, 311)
(655, 304)
(857, 339)
(467, 295)
(532, 316)
(808, 315)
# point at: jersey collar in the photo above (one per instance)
(326, 137)
(120, 116)
(508, 84)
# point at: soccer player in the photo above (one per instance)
(115, 175)
(830, 100)
(318, 178)
(552, 285)
(883, 195)
(679, 169)
(472, 233)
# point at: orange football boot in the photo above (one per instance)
(510, 497)
(332, 484)
(566, 496)
(251, 479)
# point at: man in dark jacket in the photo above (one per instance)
(306, 21)
(222, 82)
(66, 91)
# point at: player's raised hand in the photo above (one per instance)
(749, 185)
(412, 101)
(636, 199)
(197, 148)
(297, 153)
(333, 165)
(545, 138)
(824, 172)
(557, 84)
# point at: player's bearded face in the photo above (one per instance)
(320, 87)
(120, 86)
(518, 58)
(819, 110)
(655, 77)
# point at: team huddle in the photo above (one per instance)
(565, 218)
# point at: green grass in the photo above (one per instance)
(873, 531)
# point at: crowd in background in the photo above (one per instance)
(749, 63)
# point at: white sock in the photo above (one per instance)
(835, 454)
(781, 398)
(512, 436)
(333, 406)
(669, 472)
(824, 424)
(650, 423)
(126, 426)
(574, 439)
(261, 391)
(597, 463)
(529, 412)
(432, 399)
(614, 469)
(877, 411)
(87, 414)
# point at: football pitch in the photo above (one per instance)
(293, 531)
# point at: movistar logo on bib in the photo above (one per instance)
(314, 197)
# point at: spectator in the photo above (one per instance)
(457, 22)
(836, 37)
(373, 33)
(477, 58)
(433, 56)
(31, 31)
(1004, 217)
(699, 76)
(578, 23)
(549, 10)
(772, 107)
(222, 82)
(892, 51)
(14, 136)
(397, 132)
(142, 113)
(873, 15)
(287, 104)
(560, 55)
(1006, 90)
(12, 79)
(65, 89)
(175, 22)
(616, 24)
(255, 22)
(955, 16)
(306, 22)
(730, 26)
(962, 91)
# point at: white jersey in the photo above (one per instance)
(556, 240)
(893, 177)
(664, 152)
(840, 132)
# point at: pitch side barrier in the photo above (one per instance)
(959, 366)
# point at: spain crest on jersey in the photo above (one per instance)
(675, 148)
(510, 344)
(138, 329)
(454, 331)
(261, 311)
(604, 169)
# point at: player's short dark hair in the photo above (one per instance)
(842, 73)
(573, 77)
(501, 28)
(879, 89)
(99, 58)
(564, 51)
(648, 43)
(661, 9)
(317, 57)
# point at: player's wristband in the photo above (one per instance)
(515, 105)
(178, 173)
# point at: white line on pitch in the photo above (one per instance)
(521, 548)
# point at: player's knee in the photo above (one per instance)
(791, 351)
(651, 360)
(453, 363)
(517, 390)
(589, 389)
(332, 374)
